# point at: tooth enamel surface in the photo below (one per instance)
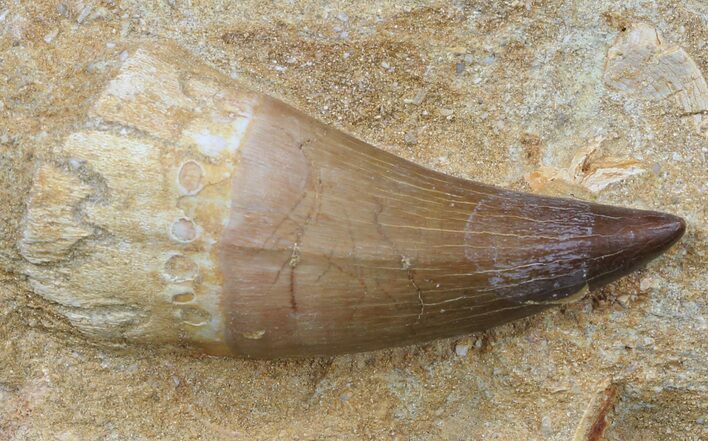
(139, 205)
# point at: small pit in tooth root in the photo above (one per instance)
(190, 177)
(180, 268)
(183, 297)
(194, 315)
(184, 230)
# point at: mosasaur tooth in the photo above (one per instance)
(197, 212)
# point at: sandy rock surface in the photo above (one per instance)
(603, 101)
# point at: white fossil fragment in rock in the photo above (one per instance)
(642, 62)
(589, 171)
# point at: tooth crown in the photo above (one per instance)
(121, 230)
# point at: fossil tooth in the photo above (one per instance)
(194, 211)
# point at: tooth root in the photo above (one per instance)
(146, 95)
(197, 212)
(150, 182)
(52, 227)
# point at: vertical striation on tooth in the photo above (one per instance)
(191, 210)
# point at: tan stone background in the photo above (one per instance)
(488, 90)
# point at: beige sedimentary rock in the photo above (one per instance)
(536, 66)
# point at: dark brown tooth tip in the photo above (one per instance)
(625, 239)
